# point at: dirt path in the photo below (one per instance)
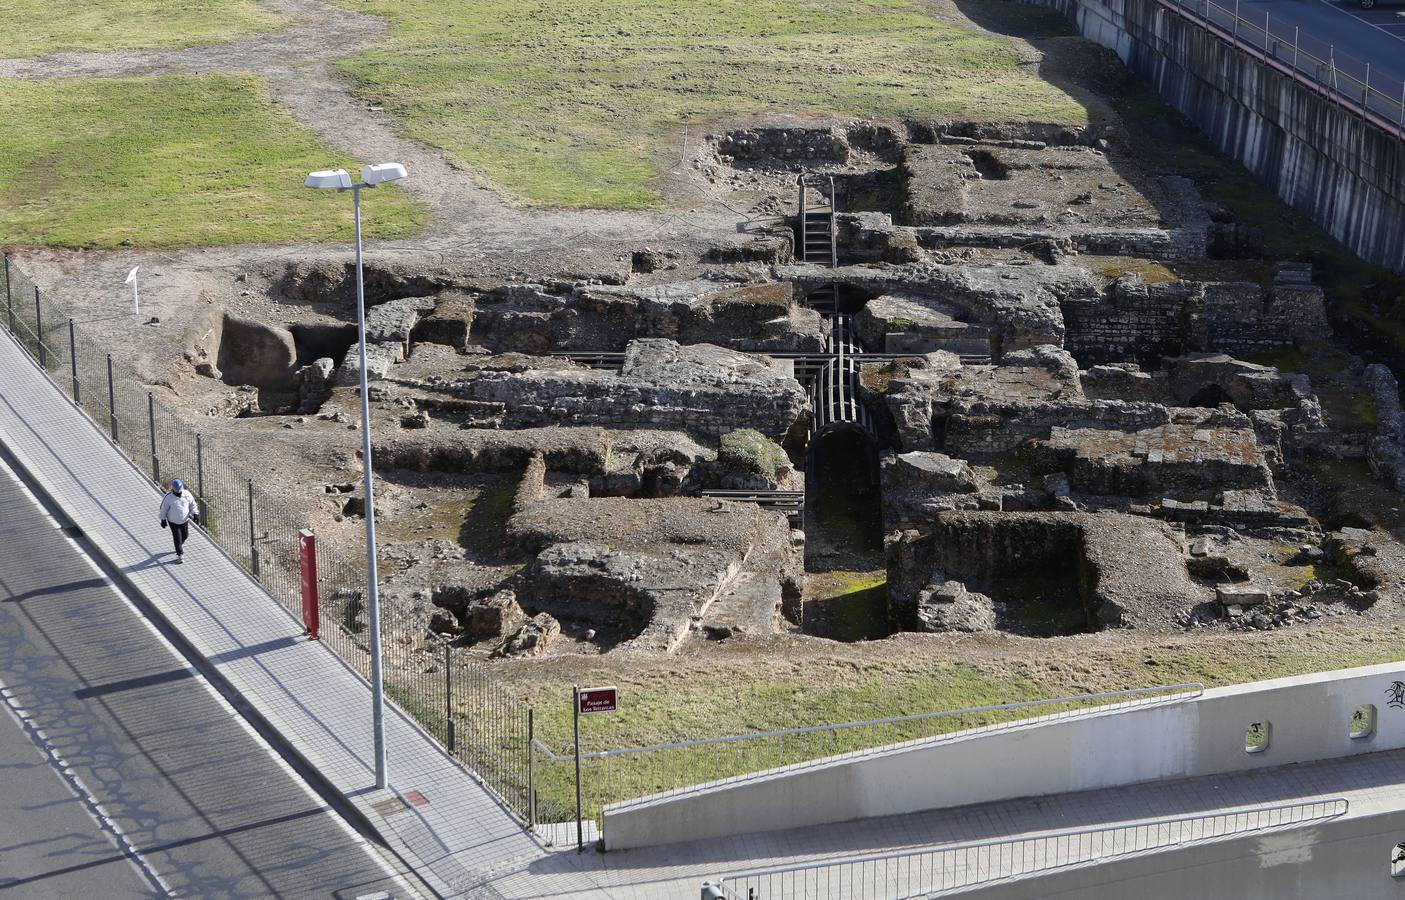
(469, 219)
(320, 33)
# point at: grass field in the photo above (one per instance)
(167, 162)
(36, 27)
(580, 103)
(730, 689)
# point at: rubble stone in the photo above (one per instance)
(532, 638)
(950, 607)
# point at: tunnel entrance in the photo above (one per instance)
(314, 342)
(1210, 396)
(846, 581)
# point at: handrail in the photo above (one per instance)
(833, 224)
(935, 862)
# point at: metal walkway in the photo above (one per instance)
(792, 503)
(807, 365)
(835, 392)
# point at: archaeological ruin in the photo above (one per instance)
(997, 370)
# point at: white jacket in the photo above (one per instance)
(178, 510)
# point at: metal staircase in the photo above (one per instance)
(816, 236)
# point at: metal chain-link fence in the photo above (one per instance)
(453, 699)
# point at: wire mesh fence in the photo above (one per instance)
(933, 871)
(1304, 56)
(638, 774)
(452, 698)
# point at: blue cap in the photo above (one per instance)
(177, 486)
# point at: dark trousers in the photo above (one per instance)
(178, 534)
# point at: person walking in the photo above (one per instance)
(178, 507)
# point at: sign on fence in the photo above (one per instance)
(599, 700)
(585, 701)
(307, 559)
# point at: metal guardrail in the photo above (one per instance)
(627, 776)
(935, 870)
(1305, 58)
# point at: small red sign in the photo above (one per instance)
(599, 700)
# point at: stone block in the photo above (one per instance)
(1241, 595)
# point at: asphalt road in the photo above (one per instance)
(1342, 30)
(122, 772)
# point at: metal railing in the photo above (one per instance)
(935, 870)
(626, 776)
(453, 699)
(1305, 58)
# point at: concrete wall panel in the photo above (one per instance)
(1308, 718)
(1321, 158)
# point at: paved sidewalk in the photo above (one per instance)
(191, 802)
(301, 688)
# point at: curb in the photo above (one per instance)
(285, 748)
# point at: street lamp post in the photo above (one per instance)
(339, 180)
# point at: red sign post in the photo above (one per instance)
(307, 559)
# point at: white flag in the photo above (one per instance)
(132, 280)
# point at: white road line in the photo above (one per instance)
(1346, 12)
(107, 824)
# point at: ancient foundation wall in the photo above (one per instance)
(1320, 157)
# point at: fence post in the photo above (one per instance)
(9, 295)
(576, 724)
(73, 363)
(200, 480)
(39, 331)
(253, 547)
(1366, 91)
(531, 771)
(151, 426)
(111, 401)
(448, 699)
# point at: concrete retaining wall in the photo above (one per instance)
(1347, 858)
(1324, 160)
(1308, 719)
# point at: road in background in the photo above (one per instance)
(1341, 28)
(122, 772)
